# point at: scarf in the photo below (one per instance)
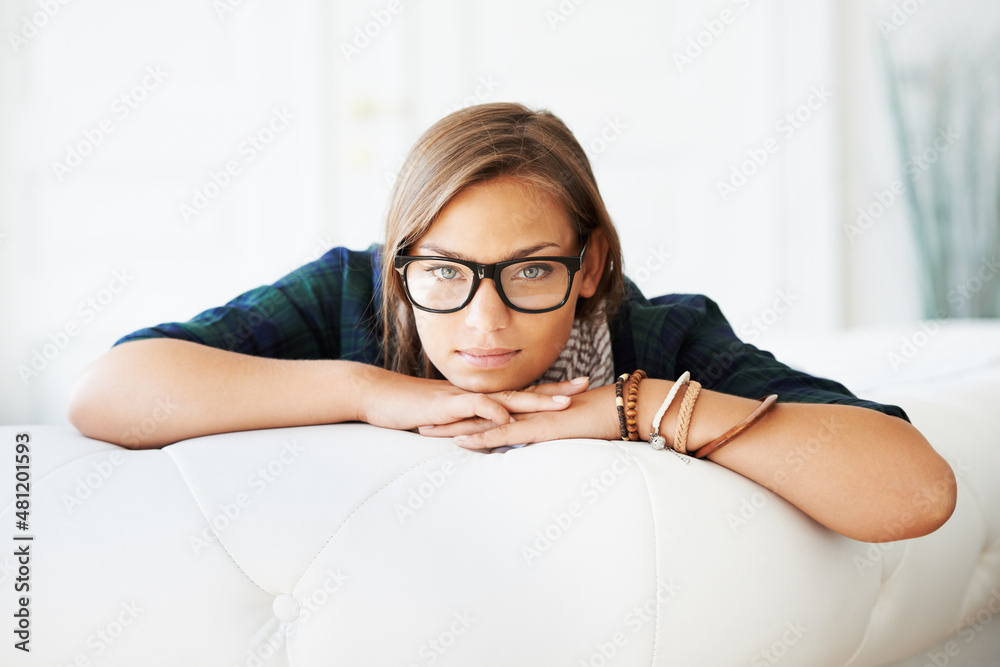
(587, 352)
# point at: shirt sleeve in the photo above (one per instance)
(720, 361)
(323, 310)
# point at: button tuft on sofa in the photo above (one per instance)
(286, 608)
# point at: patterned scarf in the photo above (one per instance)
(587, 352)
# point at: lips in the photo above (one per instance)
(480, 357)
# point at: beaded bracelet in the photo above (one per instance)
(620, 403)
(707, 449)
(631, 414)
(655, 439)
(684, 416)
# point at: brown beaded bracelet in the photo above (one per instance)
(631, 413)
(620, 403)
(707, 449)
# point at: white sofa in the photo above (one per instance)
(352, 545)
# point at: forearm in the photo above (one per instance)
(864, 474)
(153, 392)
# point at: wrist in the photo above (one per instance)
(667, 427)
(362, 381)
(651, 396)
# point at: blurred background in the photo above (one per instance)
(811, 165)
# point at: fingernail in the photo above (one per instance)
(561, 399)
(580, 380)
(461, 437)
(427, 427)
(512, 421)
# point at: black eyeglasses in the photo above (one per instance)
(530, 285)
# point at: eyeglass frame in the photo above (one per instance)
(573, 263)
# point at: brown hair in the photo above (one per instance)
(470, 146)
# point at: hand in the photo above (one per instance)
(402, 402)
(591, 414)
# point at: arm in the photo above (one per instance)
(149, 393)
(848, 463)
(864, 474)
(301, 351)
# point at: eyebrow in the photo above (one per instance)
(517, 254)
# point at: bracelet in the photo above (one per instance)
(684, 416)
(766, 405)
(631, 414)
(621, 404)
(655, 439)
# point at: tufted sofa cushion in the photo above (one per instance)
(352, 545)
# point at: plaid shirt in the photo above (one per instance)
(328, 309)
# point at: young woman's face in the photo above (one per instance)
(486, 346)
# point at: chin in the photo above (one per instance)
(487, 383)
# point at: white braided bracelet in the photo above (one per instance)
(655, 439)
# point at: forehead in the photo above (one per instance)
(498, 216)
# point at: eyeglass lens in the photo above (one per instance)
(443, 285)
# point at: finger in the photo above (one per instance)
(526, 402)
(482, 405)
(463, 427)
(567, 388)
(521, 432)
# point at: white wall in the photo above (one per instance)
(323, 180)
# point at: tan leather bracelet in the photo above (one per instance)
(684, 416)
(705, 450)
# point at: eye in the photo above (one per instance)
(533, 271)
(444, 272)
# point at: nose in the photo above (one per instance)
(486, 311)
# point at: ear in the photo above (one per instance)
(594, 261)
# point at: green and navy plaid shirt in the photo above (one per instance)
(328, 309)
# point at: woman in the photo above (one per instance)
(496, 313)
